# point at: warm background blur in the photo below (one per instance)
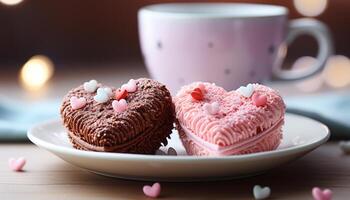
(102, 36)
(83, 31)
(49, 47)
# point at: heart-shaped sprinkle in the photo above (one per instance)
(197, 94)
(261, 193)
(90, 86)
(130, 86)
(259, 99)
(121, 94)
(246, 91)
(345, 146)
(319, 194)
(102, 95)
(152, 191)
(172, 151)
(77, 103)
(107, 90)
(211, 108)
(17, 164)
(119, 106)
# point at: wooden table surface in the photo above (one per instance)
(48, 177)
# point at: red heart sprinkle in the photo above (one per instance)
(259, 99)
(121, 94)
(197, 94)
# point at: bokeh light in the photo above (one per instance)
(304, 62)
(310, 8)
(310, 84)
(337, 71)
(36, 72)
(11, 2)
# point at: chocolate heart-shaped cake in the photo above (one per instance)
(136, 118)
(212, 121)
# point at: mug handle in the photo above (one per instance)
(322, 35)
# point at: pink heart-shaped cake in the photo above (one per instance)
(240, 125)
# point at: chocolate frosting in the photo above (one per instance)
(141, 128)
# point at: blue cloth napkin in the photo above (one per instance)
(332, 109)
(17, 117)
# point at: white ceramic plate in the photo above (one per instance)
(300, 136)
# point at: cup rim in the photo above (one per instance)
(169, 10)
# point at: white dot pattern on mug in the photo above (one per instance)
(181, 80)
(252, 73)
(227, 71)
(159, 44)
(271, 49)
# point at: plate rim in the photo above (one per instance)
(144, 157)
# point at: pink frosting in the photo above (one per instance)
(237, 120)
(266, 140)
